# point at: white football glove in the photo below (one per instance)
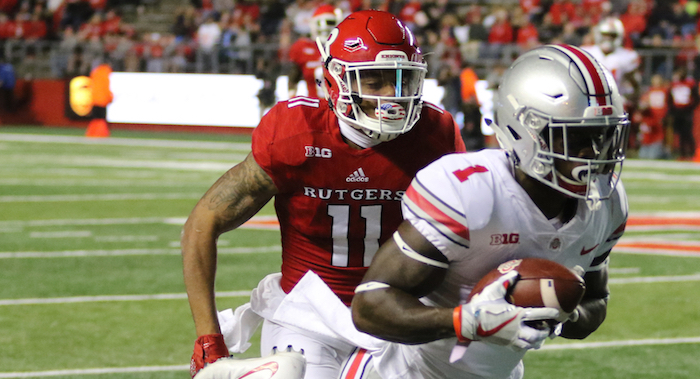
(490, 318)
(288, 364)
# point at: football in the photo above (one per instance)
(541, 283)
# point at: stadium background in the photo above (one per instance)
(90, 273)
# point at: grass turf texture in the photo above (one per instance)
(108, 217)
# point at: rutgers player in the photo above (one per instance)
(337, 170)
(304, 55)
(552, 192)
(622, 62)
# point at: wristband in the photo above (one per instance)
(457, 323)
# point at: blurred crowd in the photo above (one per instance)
(453, 30)
(464, 40)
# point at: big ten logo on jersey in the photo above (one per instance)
(317, 152)
(505, 239)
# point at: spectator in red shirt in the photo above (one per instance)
(682, 99)
(93, 27)
(98, 5)
(35, 28)
(635, 22)
(651, 118)
(7, 6)
(112, 22)
(500, 34)
(249, 8)
(562, 11)
(530, 6)
(21, 25)
(7, 27)
(501, 31)
(527, 36)
(408, 13)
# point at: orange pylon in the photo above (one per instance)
(97, 128)
(696, 158)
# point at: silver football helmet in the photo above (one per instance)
(561, 118)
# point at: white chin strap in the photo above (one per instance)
(356, 136)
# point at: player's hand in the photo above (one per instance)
(207, 349)
(490, 318)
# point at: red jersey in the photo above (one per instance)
(336, 205)
(304, 53)
(651, 127)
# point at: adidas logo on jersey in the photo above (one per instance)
(357, 176)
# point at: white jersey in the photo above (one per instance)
(471, 208)
(620, 62)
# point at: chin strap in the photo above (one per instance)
(356, 136)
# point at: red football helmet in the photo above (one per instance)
(325, 18)
(373, 74)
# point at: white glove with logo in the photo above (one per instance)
(490, 318)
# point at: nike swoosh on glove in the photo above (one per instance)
(490, 318)
(207, 349)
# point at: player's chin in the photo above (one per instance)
(574, 188)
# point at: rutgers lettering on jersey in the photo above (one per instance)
(356, 194)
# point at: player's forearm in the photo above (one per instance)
(592, 313)
(395, 316)
(198, 245)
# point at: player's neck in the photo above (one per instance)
(355, 138)
(552, 203)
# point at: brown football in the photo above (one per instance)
(541, 283)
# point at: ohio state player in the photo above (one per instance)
(304, 55)
(552, 192)
(622, 62)
(338, 169)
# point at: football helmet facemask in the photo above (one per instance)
(608, 34)
(373, 74)
(561, 118)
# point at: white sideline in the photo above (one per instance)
(582, 345)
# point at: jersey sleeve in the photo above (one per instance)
(268, 144)
(618, 221)
(437, 203)
(631, 62)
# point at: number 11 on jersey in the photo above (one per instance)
(372, 215)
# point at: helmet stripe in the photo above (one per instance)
(597, 85)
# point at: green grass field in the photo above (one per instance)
(91, 276)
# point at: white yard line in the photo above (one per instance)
(594, 345)
(92, 299)
(551, 347)
(101, 197)
(656, 279)
(92, 371)
(62, 234)
(661, 164)
(125, 252)
(660, 177)
(175, 296)
(113, 141)
(667, 252)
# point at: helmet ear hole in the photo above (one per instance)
(514, 133)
